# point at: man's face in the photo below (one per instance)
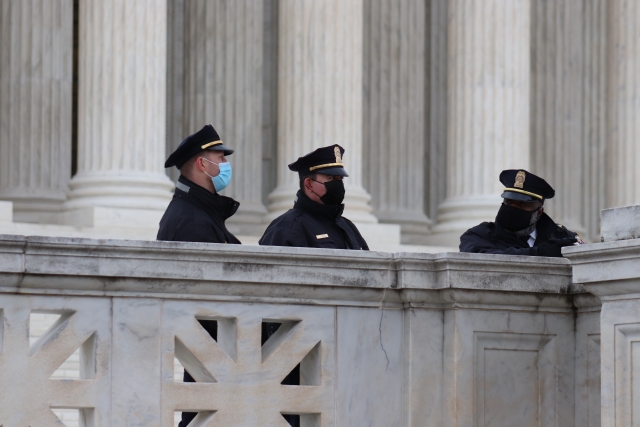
(316, 189)
(525, 206)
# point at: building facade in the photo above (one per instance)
(430, 98)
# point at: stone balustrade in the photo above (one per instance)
(611, 270)
(381, 339)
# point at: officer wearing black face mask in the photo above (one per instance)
(316, 219)
(521, 226)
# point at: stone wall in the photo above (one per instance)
(381, 339)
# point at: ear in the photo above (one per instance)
(200, 164)
(307, 183)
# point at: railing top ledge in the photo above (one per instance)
(109, 266)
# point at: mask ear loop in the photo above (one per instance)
(207, 160)
(319, 196)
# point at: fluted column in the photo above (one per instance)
(121, 115)
(35, 106)
(394, 113)
(488, 109)
(320, 94)
(557, 142)
(594, 184)
(624, 105)
(223, 86)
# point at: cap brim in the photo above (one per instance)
(520, 197)
(337, 171)
(220, 147)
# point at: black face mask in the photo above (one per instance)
(514, 219)
(335, 192)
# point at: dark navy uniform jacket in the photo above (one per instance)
(313, 225)
(197, 215)
(491, 238)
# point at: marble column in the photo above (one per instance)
(594, 184)
(487, 109)
(223, 86)
(394, 113)
(557, 99)
(320, 63)
(121, 116)
(35, 106)
(175, 79)
(623, 105)
(436, 105)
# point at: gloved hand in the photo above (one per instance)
(553, 247)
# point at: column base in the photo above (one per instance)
(357, 208)
(414, 226)
(36, 205)
(99, 216)
(117, 199)
(6, 211)
(458, 214)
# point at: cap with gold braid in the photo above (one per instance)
(205, 139)
(524, 186)
(325, 160)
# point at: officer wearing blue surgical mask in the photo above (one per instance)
(197, 212)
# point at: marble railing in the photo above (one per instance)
(379, 339)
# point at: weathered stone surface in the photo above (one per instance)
(379, 336)
(610, 271)
(620, 223)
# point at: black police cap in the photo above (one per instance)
(524, 186)
(205, 139)
(325, 160)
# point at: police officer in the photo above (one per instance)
(197, 213)
(521, 226)
(316, 219)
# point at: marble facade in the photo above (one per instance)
(431, 99)
(382, 339)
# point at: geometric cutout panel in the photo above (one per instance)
(279, 335)
(178, 371)
(304, 341)
(311, 367)
(40, 324)
(68, 417)
(514, 379)
(191, 363)
(43, 335)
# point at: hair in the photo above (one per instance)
(187, 167)
(312, 176)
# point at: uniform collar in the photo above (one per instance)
(213, 202)
(331, 212)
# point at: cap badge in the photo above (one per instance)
(336, 151)
(520, 177)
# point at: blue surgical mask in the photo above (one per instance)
(222, 180)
